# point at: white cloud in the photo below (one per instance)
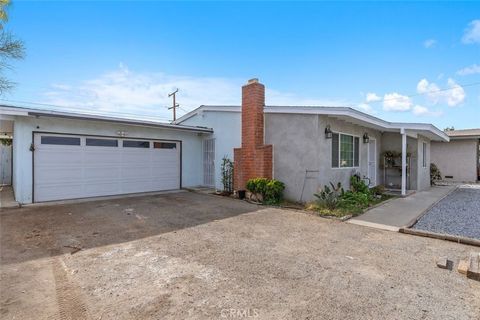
(472, 33)
(145, 95)
(429, 43)
(365, 107)
(473, 69)
(396, 102)
(424, 111)
(452, 96)
(372, 97)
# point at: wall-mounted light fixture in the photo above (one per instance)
(328, 132)
(122, 133)
(366, 138)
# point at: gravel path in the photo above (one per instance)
(457, 214)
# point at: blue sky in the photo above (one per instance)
(389, 59)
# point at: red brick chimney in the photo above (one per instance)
(254, 158)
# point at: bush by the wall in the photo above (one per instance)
(266, 190)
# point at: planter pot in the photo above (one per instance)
(241, 194)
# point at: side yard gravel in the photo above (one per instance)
(457, 214)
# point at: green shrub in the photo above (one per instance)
(329, 197)
(358, 185)
(354, 200)
(271, 191)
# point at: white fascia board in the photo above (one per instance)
(330, 111)
(204, 108)
(19, 111)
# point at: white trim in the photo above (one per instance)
(367, 119)
(339, 140)
(372, 183)
(21, 111)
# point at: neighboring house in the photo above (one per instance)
(459, 159)
(309, 147)
(61, 155)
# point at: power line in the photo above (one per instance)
(69, 108)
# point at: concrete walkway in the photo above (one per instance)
(7, 199)
(401, 212)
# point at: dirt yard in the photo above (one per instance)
(193, 256)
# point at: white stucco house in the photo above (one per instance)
(459, 159)
(62, 155)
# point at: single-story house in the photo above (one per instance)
(459, 159)
(308, 147)
(60, 155)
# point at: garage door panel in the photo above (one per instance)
(101, 173)
(57, 173)
(102, 157)
(78, 171)
(56, 157)
(102, 189)
(58, 191)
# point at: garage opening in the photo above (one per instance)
(74, 166)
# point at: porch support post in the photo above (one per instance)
(404, 161)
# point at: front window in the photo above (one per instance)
(345, 151)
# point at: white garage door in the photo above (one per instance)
(70, 167)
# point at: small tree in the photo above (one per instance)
(227, 175)
(10, 48)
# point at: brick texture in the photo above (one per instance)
(254, 158)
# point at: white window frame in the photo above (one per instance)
(339, 150)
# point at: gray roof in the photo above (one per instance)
(22, 111)
(464, 133)
(343, 113)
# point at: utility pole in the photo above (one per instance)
(174, 105)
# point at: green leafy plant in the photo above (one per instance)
(358, 185)
(435, 174)
(266, 190)
(227, 175)
(354, 201)
(329, 197)
(274, 192)
(6, 142)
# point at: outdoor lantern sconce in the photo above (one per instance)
(366, 138)
(328, 132)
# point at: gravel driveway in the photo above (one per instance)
(457, 214)
(193, 256)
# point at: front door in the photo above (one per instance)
(372, 162)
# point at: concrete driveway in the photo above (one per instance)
(193, 256)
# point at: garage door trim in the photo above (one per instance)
(100, 136)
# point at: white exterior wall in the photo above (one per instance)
(227, 127)
(457, 158)
(192, 171)
(299, 144)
